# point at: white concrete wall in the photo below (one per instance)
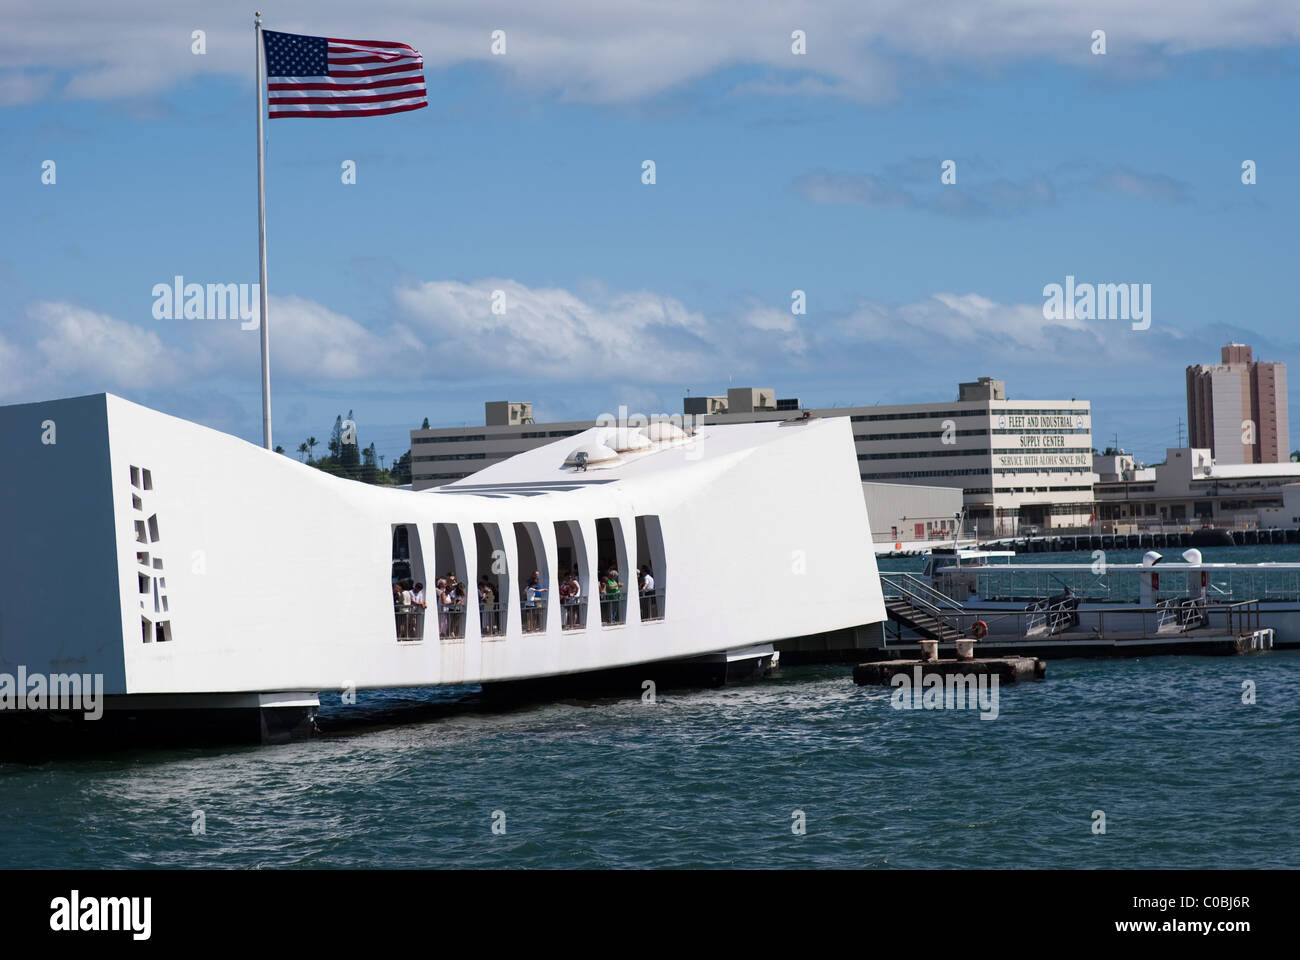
(278, 575)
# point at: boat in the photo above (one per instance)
(207, 579)
(1152, 597)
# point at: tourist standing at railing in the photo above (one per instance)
(440, 595)
(419, 605)
(456, 610)
(405, 600)
(487, 606)
(575, 599)
(647, 594)
(539, 599)
(566, 602)
(398, 614)
(613, 590)
(530, 604)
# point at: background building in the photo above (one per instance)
(1022, 466)
(1191, 489)
(909, 512)
(1237, 409)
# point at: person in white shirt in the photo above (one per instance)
(649, 609)
(419, 605)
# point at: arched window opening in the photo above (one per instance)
(651, 567)
(573, 574)
(450, 588)
(407, 583)
(611, 571)
(493, 580)
(534, 577)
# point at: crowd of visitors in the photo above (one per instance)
(450, 597)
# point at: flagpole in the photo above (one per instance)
(263, 316)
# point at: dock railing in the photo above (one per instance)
(918, 591)
(1052, 616)
(1170, 616)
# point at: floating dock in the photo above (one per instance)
(1092, 645)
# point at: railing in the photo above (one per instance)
(1037, 622)
(573, 612)
(451, 621)
(1052, 616)
(410, 622)
(1172, 617)
(491, 619)
(1243, 617)
(1109, 583)
(613, 608)
(920, 594)
(1167, 613)
(534, 612)
(911, 587)
(652, 605)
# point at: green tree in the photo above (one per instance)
(336, 438)
(349, 447)
(401, 469)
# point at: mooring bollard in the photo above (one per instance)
(966, 648)
(929, 651)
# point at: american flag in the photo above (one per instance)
(324, 77)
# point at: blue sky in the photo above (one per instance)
(774, 172)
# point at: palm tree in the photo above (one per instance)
(302, 449)
(312, 442)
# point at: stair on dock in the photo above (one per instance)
(903, 611)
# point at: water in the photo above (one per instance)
(1188, 777)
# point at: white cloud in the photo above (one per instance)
(550, 333)
(75, 343)
(12, 373)
(446, 332)
(308, 341)
(953, 323)
(579, 49)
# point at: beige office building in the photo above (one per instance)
(1237, 409)
(1023, 466)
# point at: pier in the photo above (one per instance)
(1172, 625)
(1006, 669)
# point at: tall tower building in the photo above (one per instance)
(1238, 408)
